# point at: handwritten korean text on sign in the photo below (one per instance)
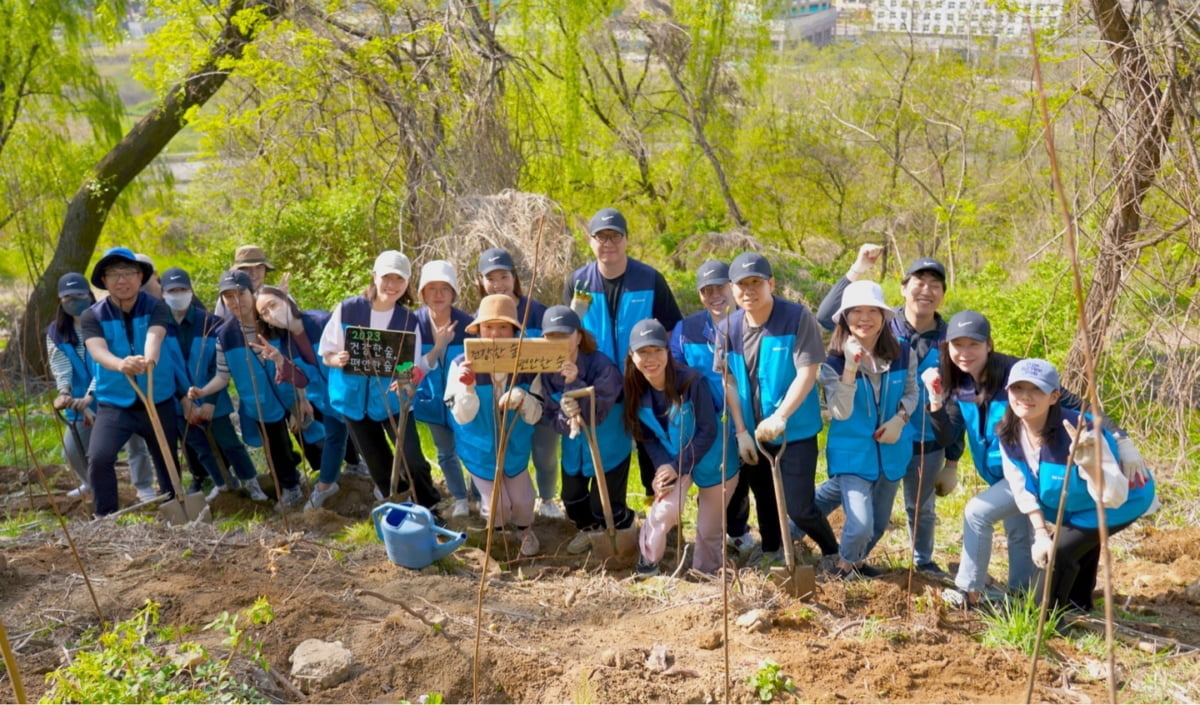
(376, 352)
(493, 356)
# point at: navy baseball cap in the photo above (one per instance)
(72, 284)
(560, 319)
(1039, 373)
(712, 273)
(233, 280)
(175, 278)
(927, 264)
(495, 258)
(607, 219)
(749, 264)
(969, 324)
(646, 333)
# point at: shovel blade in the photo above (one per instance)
(197, 507)
(800, 582)
(173, 512)
(620, 546)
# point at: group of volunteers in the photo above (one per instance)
(722, 399)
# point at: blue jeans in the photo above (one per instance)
(994, 504)
(922, 470)
(447, 453)
(867, 505)
(545, 460)
(333, 453)
(228, 444)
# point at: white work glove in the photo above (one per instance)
(868, 255)
(891, 429)
(512, 399)
(747, 452)
(1083, 448)
(946, 479)
(771, 428)
(570, 407)
(1132, 464)
(1043, 545)
(932, 379)
(853, 350)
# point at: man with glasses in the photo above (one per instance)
(123, 333)
(613, 293)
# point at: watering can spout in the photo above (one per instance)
(410, 535)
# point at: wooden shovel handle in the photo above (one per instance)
(152, 413)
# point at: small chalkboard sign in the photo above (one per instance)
(377, 352)
(492, 356)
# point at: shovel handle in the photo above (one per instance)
(589, 434)
(789, 559)
(164, 447)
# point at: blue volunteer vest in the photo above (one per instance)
(637, 303)
(922, 428)
(981, 436)
(476, 440)
(537, 310)
(111, 385)
(356, 396)
(775, 372)
(318, 375)
(681, 429)
(693, 342)
(851, 448)
(81, 378)
(612, 438)
(1080, 509)
(428, 403)
(199, 361)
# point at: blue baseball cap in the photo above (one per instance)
(118, 255)
(495, 258)
(712, 273)
(1039, 373)
(607, 219)
(646, 333)
(560, 319)
(749, 264)
(72, 284)
(175, 278)
(969, 324)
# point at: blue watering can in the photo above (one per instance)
(411, 536)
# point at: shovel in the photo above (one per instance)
(796, 581)
(193, 506)
(610, 543)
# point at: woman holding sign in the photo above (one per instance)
(369, 396)
(478, 406)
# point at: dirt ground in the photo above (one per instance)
(554, 628)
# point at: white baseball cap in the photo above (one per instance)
(393, 262)
(439, 270)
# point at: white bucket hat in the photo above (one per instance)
(393, 262)
(438, 270)
(863, 293)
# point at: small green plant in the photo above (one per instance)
(768, 681)
(135, 518)
(360, 534)
(24, 520)
(131, 662)
(1013, 624)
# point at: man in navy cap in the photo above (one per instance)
(694, 338)
(773, 351)
(933, 470)
(613, 293)
(124, 334)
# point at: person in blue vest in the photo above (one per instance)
(773, 351)
(586, 367)
(497, 274)
(484, 405)
(124, 334)
(442, 327)
(933, 470)
(613, 293)
(271, 405)
(295, 333)
(671, 409)
(370, 404)
(192, 332)
(870, 384)
(967, 396)
(68, 363)
(694, 339)
(1037, 436)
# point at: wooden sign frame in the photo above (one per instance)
(500, 356)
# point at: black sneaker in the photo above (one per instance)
(646, 569)
(933, 570)
(868, 571)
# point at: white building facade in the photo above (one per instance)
(964, 18)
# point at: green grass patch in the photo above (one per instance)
(24, 521)
(1013, 624)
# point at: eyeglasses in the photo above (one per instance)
(607, 236)
(119, 274)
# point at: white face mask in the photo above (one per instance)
(279, 317)
(178, 301)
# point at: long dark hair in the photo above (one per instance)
(269, 331)
(516, 292)
(64, 323)
(1008, 430)
(887, 348)
(994, 374)
(636, 385)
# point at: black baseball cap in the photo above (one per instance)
(749, 264)
(175, 278)
(495, 258)
(927, 264)
(72, 284)
(607, 219)
(560, 319)
(969, 324)
(234, 279)
(647, 332)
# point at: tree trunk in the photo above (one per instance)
(1136, 154)
(90, 206)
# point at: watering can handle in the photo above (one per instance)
(377, 516)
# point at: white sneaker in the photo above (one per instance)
(318, 497)
(359, 468)
(529, 542)
(462, 508)
(744, 544)
(216, 490)
(292, 497)
(254, 490)
(81, 491)
(146, 494)
(551, 510)
(580, 544)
